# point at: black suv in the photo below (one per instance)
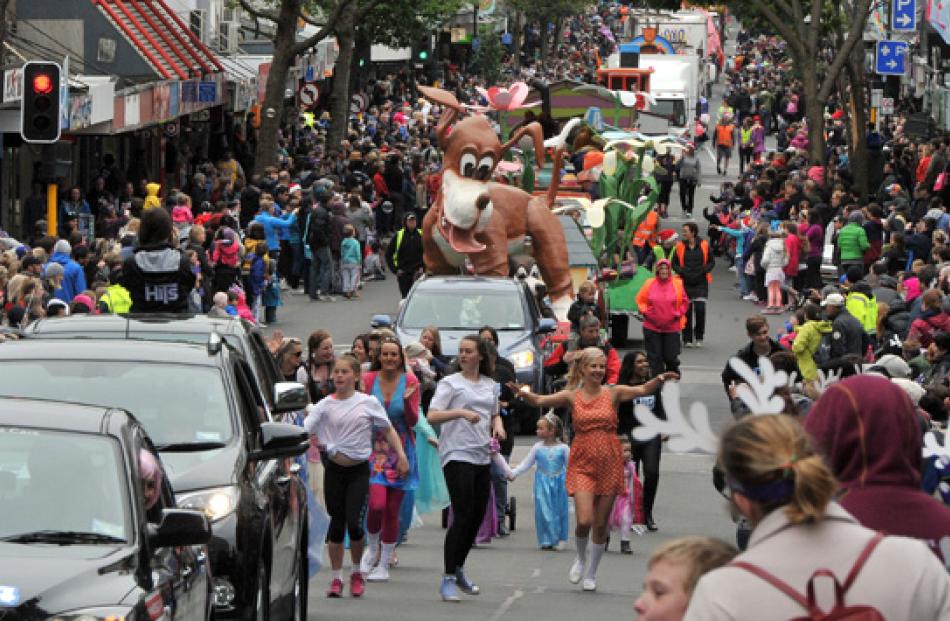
(76, 538)
(202, 408)
(238, 333)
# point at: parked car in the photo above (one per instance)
(460, 305)
(76, 539)
(240, 334)
(224, 456)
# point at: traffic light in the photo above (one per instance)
(422, 50)
(39, 107)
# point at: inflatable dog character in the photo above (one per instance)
(485, 221)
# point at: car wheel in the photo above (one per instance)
(302, 582)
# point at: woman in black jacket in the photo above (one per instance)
(634, 371)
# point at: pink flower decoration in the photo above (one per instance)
(511, 98)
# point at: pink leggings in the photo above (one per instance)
(384, 503)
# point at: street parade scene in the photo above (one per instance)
(403, 310)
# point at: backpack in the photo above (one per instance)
(823, 353)
(840, 611)
(318, 228)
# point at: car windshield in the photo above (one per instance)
(464, 310)
(673, 109)
(177, 404)
(61, 487)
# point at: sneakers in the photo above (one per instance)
(688, 345)
(368, 561)
(357, 584)
(750, 297)
(326, 298)
(699, 343)
(448, 590)
(625, 547)
(577, 570)
(467, 586)
(380, 573)
(732, 268)
(336, 588)
(589, 584)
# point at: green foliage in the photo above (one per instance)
(487, 58)
(549, 10)
(398, 23)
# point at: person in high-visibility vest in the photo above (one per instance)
(664, 249)
(116, 300)
(694, 262)
(644, 238)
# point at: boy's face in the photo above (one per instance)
(664, 597)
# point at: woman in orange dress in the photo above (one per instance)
(595, 469)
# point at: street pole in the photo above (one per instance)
(51, 225)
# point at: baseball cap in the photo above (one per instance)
(895, 366)
(833, 299)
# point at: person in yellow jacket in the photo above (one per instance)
(151, 196)
(808, 343)
(116, 300)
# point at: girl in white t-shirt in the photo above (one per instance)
(343, 424)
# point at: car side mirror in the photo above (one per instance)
(280, 440)
(547, 325)
(290, 397)
(180, 527)
(381, 321)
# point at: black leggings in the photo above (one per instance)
(469, 486)
(647, 454)
(345, 490)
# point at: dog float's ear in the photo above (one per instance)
(537, 136)
(452, 109)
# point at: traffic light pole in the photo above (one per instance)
(48, 156)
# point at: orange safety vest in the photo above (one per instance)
(646, 232)
(724, 135)
(681, 252)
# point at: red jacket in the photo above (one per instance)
(663, 304)
(924, 328)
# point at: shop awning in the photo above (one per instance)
(160, 37)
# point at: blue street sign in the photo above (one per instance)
(904, 15)
(890, 58)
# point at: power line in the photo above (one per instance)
(79, 57)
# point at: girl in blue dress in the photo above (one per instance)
(397, 390)
(550, 491)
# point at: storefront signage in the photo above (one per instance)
(12, 85)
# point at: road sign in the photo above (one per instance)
(904, 15)
(889, 58)
(887, 105)
(876, 95)
(309, 94)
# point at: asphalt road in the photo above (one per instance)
(518, 580)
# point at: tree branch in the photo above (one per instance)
(813, 31)
(862, 10)
(792, 37)
(302, 46)
(258, 13)
(798, 18)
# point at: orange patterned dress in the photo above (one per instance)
(596, 463)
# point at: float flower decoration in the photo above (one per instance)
(504, 99)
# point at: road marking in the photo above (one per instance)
(536, 572)
(709, 153)
(505, 605)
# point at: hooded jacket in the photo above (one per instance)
(807, 341)
(159, 279)
(151, 196)
(663, 303)
(869, 432)
(74, 280)
(861, 303)
(929, 323)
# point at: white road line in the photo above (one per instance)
(505, 605)
(536, 572)
(709, 152)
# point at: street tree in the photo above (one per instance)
(392, 22)
(285, 15)
(545, 12)
(809, 29)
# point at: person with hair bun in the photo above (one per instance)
(783, 487)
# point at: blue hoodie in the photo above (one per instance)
(74, 280)
(272, 226)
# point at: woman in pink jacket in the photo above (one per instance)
(662, 301)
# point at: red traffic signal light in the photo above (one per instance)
(42, 84)
(40, 104)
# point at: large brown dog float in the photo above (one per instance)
(486, 221)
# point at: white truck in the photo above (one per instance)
(676, 84)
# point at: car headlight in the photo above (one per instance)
(216, 503)
(522, 359)
(108, 613)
